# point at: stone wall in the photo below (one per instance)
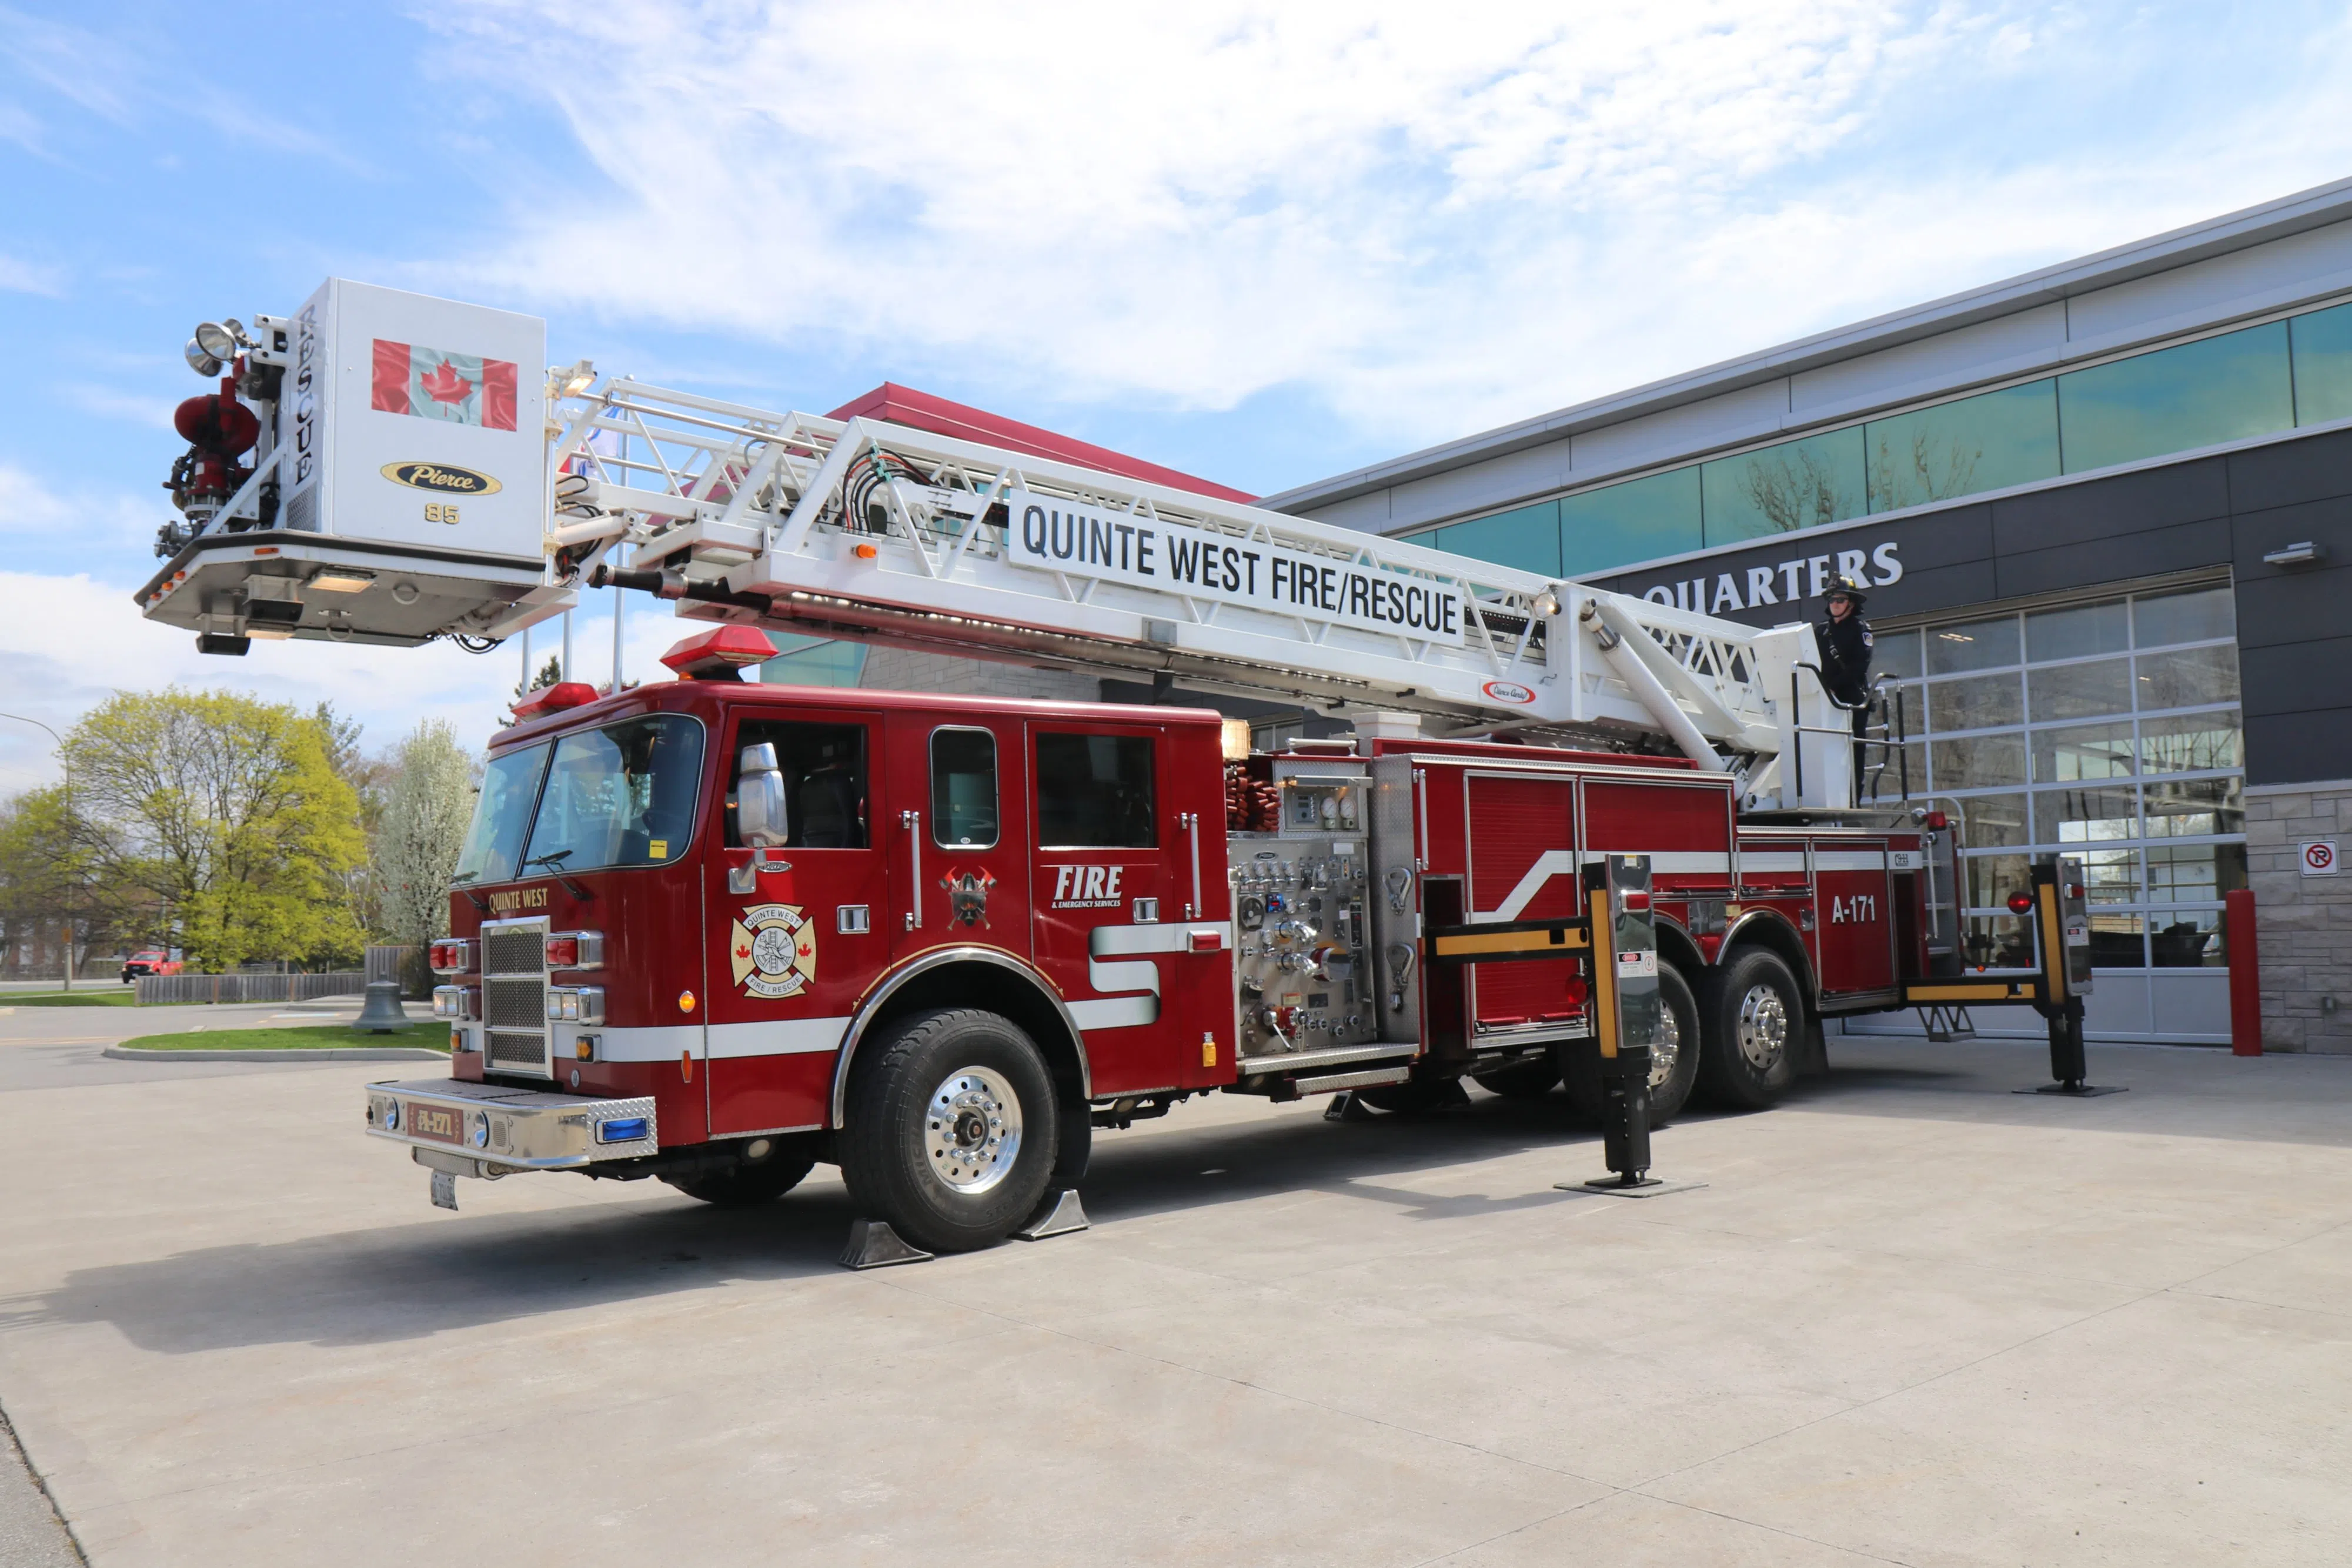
(2303, 923)
(902, 670)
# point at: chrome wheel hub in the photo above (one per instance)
(972, 1129)
(1763, 1027)
(1666, 1048)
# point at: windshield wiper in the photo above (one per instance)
(554, 862)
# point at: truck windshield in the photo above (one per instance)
(502, 815)
(622, 795)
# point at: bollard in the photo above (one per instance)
(2245, 973)
(381, 1013)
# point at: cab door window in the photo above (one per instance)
(963, 788)
(824, 772)
(1095, 792)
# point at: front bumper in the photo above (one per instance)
(493, 1130)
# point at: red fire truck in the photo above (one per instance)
(715, 932)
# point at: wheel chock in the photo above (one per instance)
(444, 1191)
(874, 1245)
(1058, 1214)
(1346, 1107)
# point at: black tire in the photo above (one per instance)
(1522, 1079)
(748, 1186)
(939, 1090)
(1673, 1059)
(1416, 1095)
(1075, 1147)
(1751, 1025)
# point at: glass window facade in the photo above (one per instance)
(1797, 484)
(2198, 395)
(2109, 731)
(1637, 521)
(2279, 376)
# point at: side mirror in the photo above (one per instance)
(760, 817)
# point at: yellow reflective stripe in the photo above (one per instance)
(1974, 991)
(1509, 942)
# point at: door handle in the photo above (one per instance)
(1191, 821)
(913, 822)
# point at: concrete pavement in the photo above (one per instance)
(1913, 1318)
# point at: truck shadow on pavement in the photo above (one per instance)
(385, 1284)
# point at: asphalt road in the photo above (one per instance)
(1911, 1318)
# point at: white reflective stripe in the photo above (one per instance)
(1117, 1012)
(1121, 941)
(1549, 864)
(668, 1042)
(1849, 860)
(662, 1042)
(1563, 863)
(1752, 861)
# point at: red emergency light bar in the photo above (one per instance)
(555, 698)
(720, 653)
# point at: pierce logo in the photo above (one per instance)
(442, 478)
(1508, 692)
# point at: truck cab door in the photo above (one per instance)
(959, 826)
(795, 931)
(1118, 896)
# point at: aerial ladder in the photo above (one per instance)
(879, 533)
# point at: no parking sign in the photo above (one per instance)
(2319, 858)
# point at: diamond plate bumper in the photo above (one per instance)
(500, 1130)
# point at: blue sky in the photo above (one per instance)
(1265, 243)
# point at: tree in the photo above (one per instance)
(427, 809)
(45, 882)
(225, 815)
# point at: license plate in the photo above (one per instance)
(438, 1122)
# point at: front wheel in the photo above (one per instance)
(749, 1185)
(1751, 1021)
(952, 1129)
(1674, 1056)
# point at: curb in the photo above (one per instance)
(296, 1053)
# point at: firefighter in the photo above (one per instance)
(1845, 642)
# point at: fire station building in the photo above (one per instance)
(2103, 513)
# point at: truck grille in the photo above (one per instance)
(519, 1050)
(514, 995)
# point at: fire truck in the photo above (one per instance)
(715, 932)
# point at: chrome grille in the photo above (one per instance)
(519, 948)
(514, 995)
(519, 1050)
(513, 1003)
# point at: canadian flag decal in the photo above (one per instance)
(432, 384)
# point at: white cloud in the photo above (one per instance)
(92, 520)
(1435, 221)
(21, 277)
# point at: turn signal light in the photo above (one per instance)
(451, 955)
(2021, 903)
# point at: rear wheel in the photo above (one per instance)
(1751, 1021)
(1523, 1080)
(952, 1129)
(1674, 1056)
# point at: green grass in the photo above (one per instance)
(117, 997)
(298, 1037)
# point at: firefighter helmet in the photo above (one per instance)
(1850, 587)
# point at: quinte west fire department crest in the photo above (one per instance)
(773, 947)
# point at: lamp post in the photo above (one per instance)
(65, 765)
